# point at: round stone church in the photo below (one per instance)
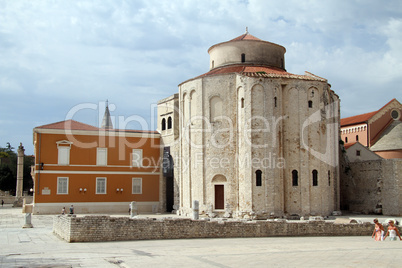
(249, 139)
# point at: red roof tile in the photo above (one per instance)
(69, 124)
(361, 118)
(246, 36)
(75, 125)
(257, 71)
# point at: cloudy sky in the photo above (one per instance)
(63, 59)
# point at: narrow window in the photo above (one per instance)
(62, 185)
(136, 160)
(357, 152)
(137, 186)
(101, 156)
(357, 137)
(315, 177)
(295, 178)
(258, 178)
(63, 155)
(100, 185)
(243, 57)
(310, 104)
(163, 124)
(213, 64)
(275, 102)
(242, 102)
(169, 123)
(346, 139)
(329, 178)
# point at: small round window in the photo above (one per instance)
(395, 114)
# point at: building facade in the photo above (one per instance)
(249, 139)
(380, 131)
(95, 169)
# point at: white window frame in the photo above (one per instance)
(63, 154)
(98, 179)
(135, 182)
(63, 157)
(59, 181)
(101, 156)
(136, 158)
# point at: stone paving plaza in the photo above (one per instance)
(38, 247)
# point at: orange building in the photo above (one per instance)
(96, 169)
(380, 131)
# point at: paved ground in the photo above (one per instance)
(38, 247)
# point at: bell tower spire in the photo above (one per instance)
(107, 121)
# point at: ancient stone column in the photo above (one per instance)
(196, 209)
(20, 171)
(133, 209)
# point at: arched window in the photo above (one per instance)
(243, 57)
(216, 108)
(315, 177)
(295, 178)
(346, 139)
(275, 101)
(242, 102)
(163, 124)
(258, 178)
(169, 123)
(357, 137)
(213, 63)
(310, 104)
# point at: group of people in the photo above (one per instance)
(379, 231)
(63, 210)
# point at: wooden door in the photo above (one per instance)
(219, 197)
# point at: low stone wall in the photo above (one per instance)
(106, 228)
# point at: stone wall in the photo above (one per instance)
(373, 187)
(106, 228)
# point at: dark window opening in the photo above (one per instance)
(310, 104)
(213, 63)
(329, 178)
(275, 101)
(258, 177)
(163, 124)
(357, 137)
(243, 57)
(295, 178)
(357, 152)
(346, 139)
(242, 102)
(169, 123)
(315, 177)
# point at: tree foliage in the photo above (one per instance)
(8, 170)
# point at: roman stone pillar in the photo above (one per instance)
(20, 171)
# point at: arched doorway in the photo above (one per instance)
(219, 182)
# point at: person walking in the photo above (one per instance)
(2, 202)
(71, 209)
(63, 211)
(378, 232)
(392, 231)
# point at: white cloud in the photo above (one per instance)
(56, 54)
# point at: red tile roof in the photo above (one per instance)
(258, 71)
(246, 36)
(357, 119)
(75, 125)
(361, 118)
(69, 124)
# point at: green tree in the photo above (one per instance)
(8, 170)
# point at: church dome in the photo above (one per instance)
(247, 49)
